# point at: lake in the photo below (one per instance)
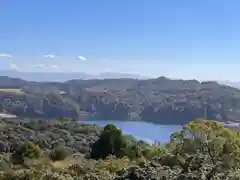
(142, 130)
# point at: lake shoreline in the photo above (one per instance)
(138, 121)
(227, 124)
(230, 125)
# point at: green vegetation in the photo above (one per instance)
(59, 153)
(26, 150)
(65, 150)
(111, 142)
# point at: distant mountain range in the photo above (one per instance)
(229, 83)
(65, 76)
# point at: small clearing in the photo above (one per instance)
(18, 91)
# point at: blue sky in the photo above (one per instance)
(181, 39)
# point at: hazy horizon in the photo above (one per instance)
(82, 75)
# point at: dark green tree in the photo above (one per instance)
(111, 142)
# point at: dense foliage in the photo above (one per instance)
(111, 142)
(65, 150)
(175, 101)
(59, 153)
(26, 150)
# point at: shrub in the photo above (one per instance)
(132, 151)
(26, 150)
(3, 146)
(59, 153)
(113, 164)
(5, 162)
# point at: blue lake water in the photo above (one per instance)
(142, 130)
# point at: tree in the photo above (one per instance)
(111, 142)
(207, 141)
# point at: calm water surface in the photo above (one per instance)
(141, 130)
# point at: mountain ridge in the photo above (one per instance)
(65, 76)
(158, 100)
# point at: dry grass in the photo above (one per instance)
(60, 164)
(66, 163)
(18, 91)
(2, 126)
(113, 165)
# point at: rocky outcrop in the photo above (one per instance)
(28, 105)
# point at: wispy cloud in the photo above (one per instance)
(54, 66)
(49, 56)
(14, 67)
(39, 66)
(5, 55)
(81, 58)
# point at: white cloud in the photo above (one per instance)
(39, 66)
(5, 55)
(49, 56)
(54, 66)
(14, 67)
(81, 58)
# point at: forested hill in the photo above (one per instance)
(159, 100)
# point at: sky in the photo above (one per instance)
(179, 39)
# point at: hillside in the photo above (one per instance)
(159, 100)
(65, 150)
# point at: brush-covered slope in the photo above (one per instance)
(159, 100)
